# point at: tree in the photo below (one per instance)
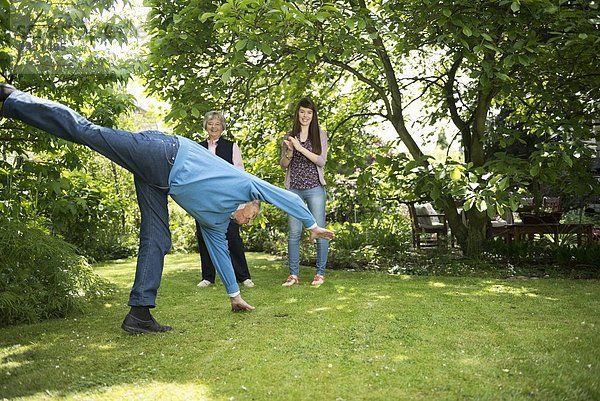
(62, 51)
(48, 187)
(188, 64)
(465, 60)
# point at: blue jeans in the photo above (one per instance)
(315, 200)
(149, 155)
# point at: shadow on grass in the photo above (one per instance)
(353, 314)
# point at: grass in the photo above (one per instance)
(360, 336)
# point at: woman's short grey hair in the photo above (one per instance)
(212, 115)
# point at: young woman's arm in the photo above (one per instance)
(287, 151)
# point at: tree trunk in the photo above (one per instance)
(472, 236)
(475, 239)
(469, 229)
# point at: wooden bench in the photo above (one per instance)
(519, 231)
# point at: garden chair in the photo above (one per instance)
(551, 204)
(501, 226)
(503, 220)
(429, 228)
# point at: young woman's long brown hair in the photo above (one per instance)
(314, 131)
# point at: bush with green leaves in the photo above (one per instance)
(564, 258)
(90, 208)
(41, 276)
(374, 243)
(183, 230)
(268, 232)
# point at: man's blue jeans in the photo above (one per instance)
(149, 155)
(315, 200)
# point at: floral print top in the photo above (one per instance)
(303, 172)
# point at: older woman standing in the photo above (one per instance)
(214, 124)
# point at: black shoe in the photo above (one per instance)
(6, 90)
(132, 324)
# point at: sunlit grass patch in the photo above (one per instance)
(360, 336)
(145, 391)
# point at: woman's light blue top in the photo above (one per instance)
(210, 189)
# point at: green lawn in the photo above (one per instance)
(360, 336)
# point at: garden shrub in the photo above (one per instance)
(183, 230)
(268, 232)
(41, 276)
(374, 243)
(87, 212)
(564, 258)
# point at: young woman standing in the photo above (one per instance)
(303, 156)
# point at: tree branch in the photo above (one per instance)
(21, 47)
(351, 116)
(360, 77)
(395, 108)
(449, 92)
(462, 126)
(424, 91)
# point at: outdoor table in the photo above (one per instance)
(518, 230)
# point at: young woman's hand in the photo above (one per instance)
(295, 143)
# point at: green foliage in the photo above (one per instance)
(65, 51)
(549, 257)
(88, 208)
(410, 338)
(89, 212)
(183, 230)
(178, 34)
(41, 276)
(533, 66)
(375, 243)
(268, 233)
(461, 62)
(581, 217)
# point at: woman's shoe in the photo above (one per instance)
(291, 280)
(317, 280)
(204, 284)
(248, 283)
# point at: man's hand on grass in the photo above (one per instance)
(239, 305)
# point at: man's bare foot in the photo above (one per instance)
(319, 232)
